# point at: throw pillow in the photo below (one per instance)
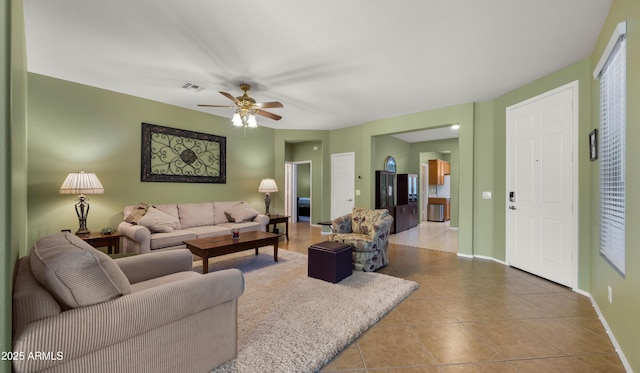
(240, 212)
(137, 213)
(75, 273)
(159, 222)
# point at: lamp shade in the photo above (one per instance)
(267, 186)
(81, 183)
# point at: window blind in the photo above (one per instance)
(612, 154)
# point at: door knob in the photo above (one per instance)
(512, 208)
(349, 200)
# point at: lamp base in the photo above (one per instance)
(83, 232)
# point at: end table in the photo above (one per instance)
(275, 219)
(110, 241)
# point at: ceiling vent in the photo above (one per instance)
(192, 87)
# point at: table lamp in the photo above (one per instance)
(267, 186)
(82, 183)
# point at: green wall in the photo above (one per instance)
(13, 157)
(82, 128)
(622, 314)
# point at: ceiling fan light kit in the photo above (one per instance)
(247, 108)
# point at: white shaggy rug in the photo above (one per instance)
(289, 322)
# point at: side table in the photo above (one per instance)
(275, 219)
(110, 241)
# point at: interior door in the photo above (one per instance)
(540, 216)
(342, 184)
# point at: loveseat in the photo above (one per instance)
(149, 228)
(367, 231)
(77, 310)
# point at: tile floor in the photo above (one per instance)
(472, 315)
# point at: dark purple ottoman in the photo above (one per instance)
(330, 261)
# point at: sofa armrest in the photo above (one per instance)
(140, 268)
(263, 220)
(137, 235)
(87, 329)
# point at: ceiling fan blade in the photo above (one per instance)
(228, 95)
(268, 105)
(226, 106)
(268, 114)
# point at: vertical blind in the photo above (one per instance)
(612, 154)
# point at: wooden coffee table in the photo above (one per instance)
(211, 247)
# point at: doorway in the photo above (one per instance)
(541, 205)
(298, 190)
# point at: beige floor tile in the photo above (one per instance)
(392, 346)
(560, 305)
(406, 370)
(496, 367)
(570, 338)
(561, 364)
(454, 344)
(423, 310)
(511, 340)
(609, 363)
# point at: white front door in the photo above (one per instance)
(540, 216)
(342, 184)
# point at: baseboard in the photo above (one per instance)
(612, 337)
(490, 258)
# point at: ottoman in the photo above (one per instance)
(330, 261)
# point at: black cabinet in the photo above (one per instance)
(407, 216)
(385, 196)
(407, 189)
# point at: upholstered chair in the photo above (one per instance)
(367, 231)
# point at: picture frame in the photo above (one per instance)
(593, 145)
(181, 156)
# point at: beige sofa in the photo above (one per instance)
(172, 224)
(81, 311)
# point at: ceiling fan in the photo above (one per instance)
(246, 108)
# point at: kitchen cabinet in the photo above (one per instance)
(437, 169)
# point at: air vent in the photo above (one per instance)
(192, 87)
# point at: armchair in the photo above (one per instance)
(367, 231)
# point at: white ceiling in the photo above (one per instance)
(332, 63)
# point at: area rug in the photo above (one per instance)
(289, 322)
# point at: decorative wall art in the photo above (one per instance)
(181, 156)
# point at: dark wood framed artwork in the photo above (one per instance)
(181, 156)
(593, 145)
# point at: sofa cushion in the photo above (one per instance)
(219, 208)
(210, 231)
(136, 213)
(158, 221)
(195, 214)
(75, 273)
(175, 238)
(247, 226)
(240, 212)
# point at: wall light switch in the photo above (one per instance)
(357, 192)
(315, 148)
(486, 195)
